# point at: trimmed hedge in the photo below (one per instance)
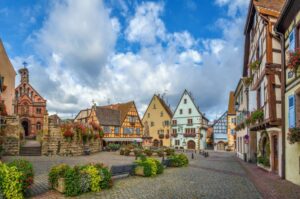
(178, 160)
(151, 166)
(81, 179)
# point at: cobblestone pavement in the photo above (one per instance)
(271, 185)
(219, 176)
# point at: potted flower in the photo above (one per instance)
(294, 60)
(294, 135)
(68, 135)
(254, 65)
(257, 116)
(248, 80)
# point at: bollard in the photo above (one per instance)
(192, 155)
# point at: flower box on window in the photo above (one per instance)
(189, 135)
(294, 60)
(294, 135)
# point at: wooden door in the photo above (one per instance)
(275, 151)
(191, 144)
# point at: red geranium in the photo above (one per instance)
(68, 133)
(294, 60)
(95, 125)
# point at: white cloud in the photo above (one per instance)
(146, 27)
(82, 64)
(234, 6)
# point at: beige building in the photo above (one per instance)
(288, 26)
(7, 75)
(157, 119)
(262, 72)
(231, 123)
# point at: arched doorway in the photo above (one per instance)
(191, 144)
(221, 146)
(156, 143)
(25, 125)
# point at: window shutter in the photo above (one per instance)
(292, 40)
(292, 112)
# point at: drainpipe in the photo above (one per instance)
(282, 101)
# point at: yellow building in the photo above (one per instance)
(7, 80)
(289, 26)
(156, 120)
(231, 122)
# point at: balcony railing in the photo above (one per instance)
(189, 135)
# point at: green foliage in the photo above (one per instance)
(10, 185)
(255, 65)
(263, 160)
(293, 135)
(148, 152)
(81, 179)
(160, 153)
(72, 182)
(95, 177)
(137, 152)
(127, 152)
(160, 167)
(113, 147)
(257, 115)
(26, 170)
(149, 165)
(57, 172)
(122, 151)
(178, 160)
(169, 151)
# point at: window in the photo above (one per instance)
(190, 110)
(233, 120)
(166, 123)
(190, 121)
(292, 112)
(185, 101)
(174, 131)
(298, 36)
(174, 122)
(177, 142)
(292, 40)
(131, 119)
(138, 131)
(148, 115)
(258, 98)
(154, 106)
(38, 110)
(38, 126)
(106, 129)
(152, 123)
(117, 130)
(128, 131)
(161, 114)
(232, 131)
(258, 51)
(180, 111)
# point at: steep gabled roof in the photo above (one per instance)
(107, 116)
(217, 121)
(83, 114)
(231, 104)
(122, 107)
(288, 13)
(166, 107)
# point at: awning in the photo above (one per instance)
(123, 139)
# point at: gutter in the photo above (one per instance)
(282, 100)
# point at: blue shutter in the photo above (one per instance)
(292, 40)
(292, 112)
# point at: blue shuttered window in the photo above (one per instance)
(292, 111)
(292, 40)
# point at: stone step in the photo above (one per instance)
(30, 151)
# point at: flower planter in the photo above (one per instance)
(264, 167)
(139, 171)
(60, 185)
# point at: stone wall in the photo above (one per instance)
(53, 143)
(10, 135)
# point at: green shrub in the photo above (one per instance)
(57, 172)
(169, 151)
(113, 147)
(10, 185)
(106, 181)
(122, 151)
(72, 182)
(149, 165)
(137, 152)
(263, 160)
(160, 167)
(26, 169)
(160, 153)
(85, 182)
(95, 177)
(127, 152)
(148, 152)
(178, 160)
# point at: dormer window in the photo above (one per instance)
(185, 101)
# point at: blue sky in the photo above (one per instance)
(116, 51)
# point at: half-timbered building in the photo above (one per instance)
(262, 71)
(288, 27)
(220, 133)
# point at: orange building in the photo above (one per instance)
(7, 82)
(30, 106)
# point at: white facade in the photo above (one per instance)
(187, 124)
